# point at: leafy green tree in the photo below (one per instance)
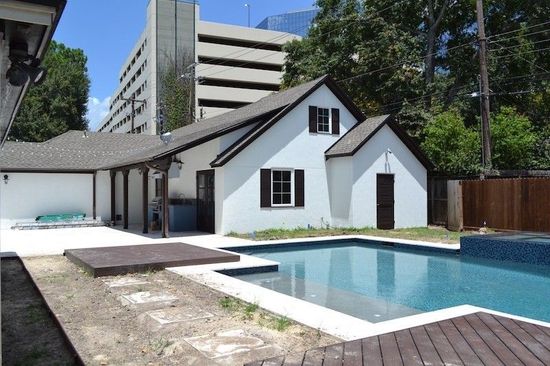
(513, 140)
(58, 104)
(176, 92)
(451, 146)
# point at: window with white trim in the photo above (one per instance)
(323, 120)
(281, 187)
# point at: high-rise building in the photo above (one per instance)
(296, 22)
(226, 67)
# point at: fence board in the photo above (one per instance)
(507, 204)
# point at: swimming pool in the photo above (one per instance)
(376, 282)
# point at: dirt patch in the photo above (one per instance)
(162, 318)
(29, 335)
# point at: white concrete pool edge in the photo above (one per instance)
(416, 243)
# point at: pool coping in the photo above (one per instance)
(330, 321)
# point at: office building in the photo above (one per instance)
(227, 67)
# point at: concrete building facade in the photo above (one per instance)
(229, 66)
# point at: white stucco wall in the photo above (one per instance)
(103, 195)
(287, 144)
(27, 195)
(410, 186)
(340, 173)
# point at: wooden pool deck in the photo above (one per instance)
(111, 261)
(475, 339)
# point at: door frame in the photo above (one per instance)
(213, 173)
(378, 204)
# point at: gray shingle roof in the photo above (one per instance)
(356, 137)
(188, 136)
(75, 150)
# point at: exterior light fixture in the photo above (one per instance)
(24, 67)
(6, 178)
(166, 138)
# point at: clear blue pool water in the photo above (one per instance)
(376, 282)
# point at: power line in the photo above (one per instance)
(519, 30)
(521, 53)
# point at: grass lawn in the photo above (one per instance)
(431, 233)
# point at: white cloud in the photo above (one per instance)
(97, 110)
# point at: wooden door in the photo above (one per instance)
(385, 201)
(205, 201)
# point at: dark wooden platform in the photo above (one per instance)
(110, 261)
(475, 339)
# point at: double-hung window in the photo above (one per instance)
(281, 188)
(323, 120)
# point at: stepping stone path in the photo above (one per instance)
(172, 322)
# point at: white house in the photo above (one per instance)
(303, 156)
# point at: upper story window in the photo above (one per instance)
(323, 120)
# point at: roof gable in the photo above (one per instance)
(361, 133)
(253, 134)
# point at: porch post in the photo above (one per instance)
(145, 198)
(125, 197)
(94, 213)
(165, 226)
(113, 197)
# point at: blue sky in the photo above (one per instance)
(107, 29)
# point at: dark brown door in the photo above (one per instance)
(205, 201)
(384, 201)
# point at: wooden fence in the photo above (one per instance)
(506, 204)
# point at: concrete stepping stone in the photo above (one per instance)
(169, 318)
(124, 281)
(178, 315)
(148, 299)
(226, 343)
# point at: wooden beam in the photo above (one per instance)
(94, 211)
(125, 174)
(113, 197)
(165, 226)
(145, 198)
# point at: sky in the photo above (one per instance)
(107, 29)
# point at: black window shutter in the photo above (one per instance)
(265, 188)
(312, 119)
(299, 188)
(335, 121)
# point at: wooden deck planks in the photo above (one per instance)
(409, 353)
(459, 343)
(441, 343)
(474, 339)
(390, 350)
(496, 345)
(513, 344)
(538, 349)
(372, 354)
(353, 353)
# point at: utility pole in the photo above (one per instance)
(133, 101)
(248, 8)
(485, 107)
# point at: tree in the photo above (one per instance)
(513, 140)
(58, 104)
(451, 146)
(176, 85)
